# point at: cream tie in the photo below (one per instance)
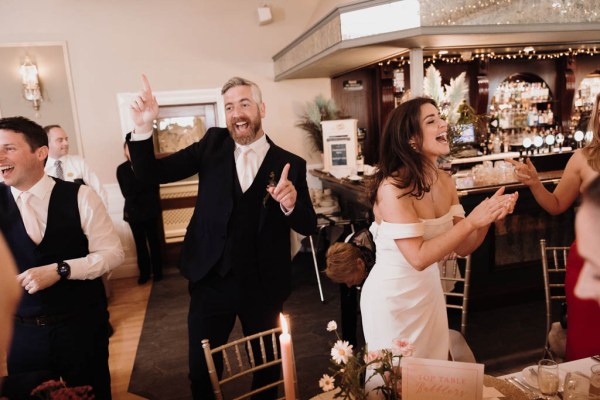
(59, 170)
(29, 218)
(245, 168)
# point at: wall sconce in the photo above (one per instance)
(31, 83)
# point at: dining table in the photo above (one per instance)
(523, 379)
(504, 387)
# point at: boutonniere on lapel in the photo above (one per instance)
(270, 184)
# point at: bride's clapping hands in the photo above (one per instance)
(492, 209)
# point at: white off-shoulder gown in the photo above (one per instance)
(397, 301)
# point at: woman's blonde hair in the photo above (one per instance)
(592, 150)
(341, 261)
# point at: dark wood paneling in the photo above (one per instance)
(360, 104)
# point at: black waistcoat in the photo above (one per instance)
(63, 240)
(240, 253)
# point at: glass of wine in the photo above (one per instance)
(548, 378)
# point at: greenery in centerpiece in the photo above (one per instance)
(320, 109)
(351, 372)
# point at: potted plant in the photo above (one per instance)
(320, 109)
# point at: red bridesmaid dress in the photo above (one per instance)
(583, 316)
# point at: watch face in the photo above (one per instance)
(64, 270)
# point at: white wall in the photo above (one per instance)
(179, 44)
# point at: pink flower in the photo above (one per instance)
(402, 347)
(374, 357)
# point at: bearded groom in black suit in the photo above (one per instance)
(236, 252)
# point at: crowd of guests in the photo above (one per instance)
(236, 253)
(60, 240)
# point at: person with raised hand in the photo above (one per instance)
(236, 251)
(583, 316)
(418, 221)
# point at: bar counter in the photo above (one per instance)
(507, 266)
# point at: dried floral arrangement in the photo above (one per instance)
(452, 102)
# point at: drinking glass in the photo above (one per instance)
(548, 378)
(595, 382)
(576, 387)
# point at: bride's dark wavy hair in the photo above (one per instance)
(406, 166)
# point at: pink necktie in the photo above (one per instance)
(30, 218)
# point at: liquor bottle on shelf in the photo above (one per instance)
(550, 116)
(360, 162)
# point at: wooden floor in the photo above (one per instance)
(127, 306)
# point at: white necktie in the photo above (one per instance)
(246, 168)
(30, 218)
(58, 169)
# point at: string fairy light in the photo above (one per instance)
(491, 55)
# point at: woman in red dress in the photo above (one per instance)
(583, 316)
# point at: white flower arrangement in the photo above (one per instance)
(349, 370)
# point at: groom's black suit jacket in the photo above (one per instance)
(212, 159)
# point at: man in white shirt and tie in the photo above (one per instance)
(71, 168)
(236, 252)
(63, 241)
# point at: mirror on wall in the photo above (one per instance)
(57, 102)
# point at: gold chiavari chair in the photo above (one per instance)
(450, 276)
(554, 267)
(240, 360)
(457, 287)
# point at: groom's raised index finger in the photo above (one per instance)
(284, 173)
(146, 84)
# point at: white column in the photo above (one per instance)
(416, 72)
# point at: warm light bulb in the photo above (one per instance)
(29, 74)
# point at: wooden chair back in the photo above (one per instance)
(240, 360)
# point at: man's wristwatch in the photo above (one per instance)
(64, 270)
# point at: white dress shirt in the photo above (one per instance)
(105, 251)
(75, 167)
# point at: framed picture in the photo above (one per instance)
(178, 126)
(184, 116)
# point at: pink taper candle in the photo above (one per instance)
(287, 360)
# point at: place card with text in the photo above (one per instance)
(441, 380)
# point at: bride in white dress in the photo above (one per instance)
(418, 221)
